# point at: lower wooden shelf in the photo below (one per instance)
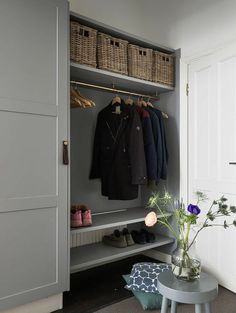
(95, 254)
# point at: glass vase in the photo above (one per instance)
(184, 265)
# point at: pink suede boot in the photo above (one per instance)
(76, 217)
(86, 216)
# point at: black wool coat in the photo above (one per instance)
(118, 152)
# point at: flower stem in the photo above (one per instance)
(170, 229)
(194, 238)
(187, 235)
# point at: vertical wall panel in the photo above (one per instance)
(201, 119)
(226, 177)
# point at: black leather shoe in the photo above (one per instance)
(150, 237)
(138, 237)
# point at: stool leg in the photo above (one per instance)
(164, 305)
(198, 308)
(207, 307)
(174, 307)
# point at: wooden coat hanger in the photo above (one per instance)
(149, 104)
(90, 102)
(84, 100)
(79, 100)
(116, 99)
(74, 99)
(165, 115)
(138, 103)
(142, 103)
(129, 101)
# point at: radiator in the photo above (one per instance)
(86, 238)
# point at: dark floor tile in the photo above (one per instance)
(98, 287)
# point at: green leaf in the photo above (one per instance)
(233, 208)
(225, 225)
(223, 199)
(223, 210)
(201, 196)
(210, 216)
(234, 223)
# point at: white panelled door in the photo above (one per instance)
(212, 153)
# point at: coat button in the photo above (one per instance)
(108, 148)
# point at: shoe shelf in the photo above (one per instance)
(114, 219)
(87, 256)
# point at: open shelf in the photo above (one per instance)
(114, 219)
(104, 78)
(95, 254)
(115, 32)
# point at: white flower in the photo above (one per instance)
(151, 219)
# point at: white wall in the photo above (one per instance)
(193, 25)
(122, 14)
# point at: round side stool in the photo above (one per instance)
(200, 292)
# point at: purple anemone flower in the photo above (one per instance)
(194, 209)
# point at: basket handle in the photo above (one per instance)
(85, 33)
(114, 43)
(142, 52)
(166, 59)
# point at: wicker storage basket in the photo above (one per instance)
(163, 68)
(112, 53)
(140, 62)
(83, 44)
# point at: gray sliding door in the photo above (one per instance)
(33, 124)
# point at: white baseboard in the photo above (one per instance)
(46, 305)
(163, 257)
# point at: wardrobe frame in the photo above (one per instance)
(84, 257)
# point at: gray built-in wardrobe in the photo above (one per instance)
(33, 125)
(36, 188)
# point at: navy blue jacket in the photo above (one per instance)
(164, 150)
(158, 141)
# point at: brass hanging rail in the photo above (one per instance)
(115, 90)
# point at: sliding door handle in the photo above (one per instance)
(65, 152)
(232, 163)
